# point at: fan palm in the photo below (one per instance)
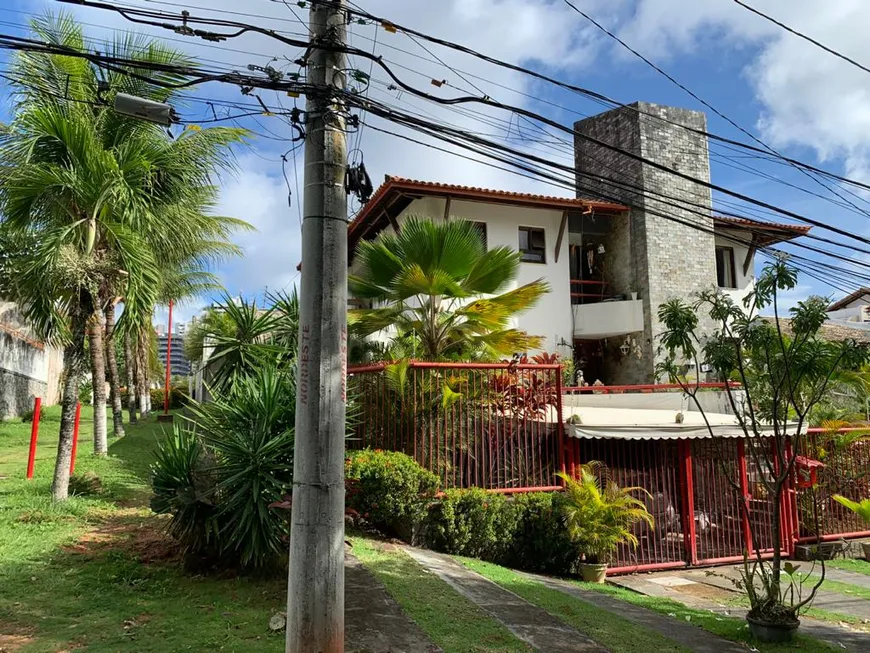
(107, 198)
(439, 282)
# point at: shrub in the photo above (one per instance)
(541, 541)
(524, 532)
(473, 523)
(178, 397)
(182, 487)
(390, 489)
(27, 416)
(220, 480)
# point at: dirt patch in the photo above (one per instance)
(12, 639)
(704, 591)
(128, 531)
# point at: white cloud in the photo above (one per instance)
(809, 97)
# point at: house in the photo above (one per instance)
(633, 237)
(854, 307)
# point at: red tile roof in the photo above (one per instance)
(768, 233)
(394, 187)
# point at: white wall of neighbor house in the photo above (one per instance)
(551, 318)
(744, 281)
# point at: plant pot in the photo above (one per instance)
(866, 547)
(593, 573)
(772, 632)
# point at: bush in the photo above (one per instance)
(183, 488)
(473, 523)
(27, 416)
(389, 489)
(222, 481)
(540, 541)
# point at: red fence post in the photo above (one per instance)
(34, 434)
(687, 485)
(744, 495)
(75, 444)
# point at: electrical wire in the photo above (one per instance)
(803, 36)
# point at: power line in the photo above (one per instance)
(809, 39)
(694, 95)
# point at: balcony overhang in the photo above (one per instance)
(607, 319)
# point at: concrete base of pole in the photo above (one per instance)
(165, 418)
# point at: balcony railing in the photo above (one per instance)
(588, 291)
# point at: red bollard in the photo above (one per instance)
(34, 434)
(75, 444)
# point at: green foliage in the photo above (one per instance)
(860, 508)
(540, 540)
(86, 391)
(440, 283)
(472, 522)
(388, 489)
(221, 480)
(524, 532)
(213, 321)
(599, 515)
(183, 487)
(178, 397)
(785, 368)
(244, 337)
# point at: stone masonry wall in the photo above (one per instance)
(670, 259)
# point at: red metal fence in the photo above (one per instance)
(494, 426)
(500, 427)
(845, 470)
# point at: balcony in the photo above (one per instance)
(599, 315)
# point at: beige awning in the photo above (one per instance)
(646, 424)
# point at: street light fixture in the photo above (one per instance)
(137, 107)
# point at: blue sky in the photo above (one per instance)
(806, 103)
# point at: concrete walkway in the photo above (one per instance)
(374, 622)
(709, 590)
(685, 634)
(531, 624)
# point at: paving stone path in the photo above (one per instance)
(531, 624)
(546, 632)
(684, 633)
(374, 622)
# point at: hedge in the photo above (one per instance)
(395, 495)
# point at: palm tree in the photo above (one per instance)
(439, 282)
(106, 197)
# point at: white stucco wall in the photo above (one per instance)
(744, 281)
(552, 317)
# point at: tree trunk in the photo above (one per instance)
(98, 380)
(130, 365)
(142, 371)
(73, 362)
(114, 377)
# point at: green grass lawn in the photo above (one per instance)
(96, 574)
(616, 633)
(857, 566)
(448, 618)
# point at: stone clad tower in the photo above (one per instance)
(672, 248)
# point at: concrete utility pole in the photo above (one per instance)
(315, 597)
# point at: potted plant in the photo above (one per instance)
(862, 509)
(599, 516)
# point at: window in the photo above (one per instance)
(725, 276)
(532, 247)
(481, 229)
